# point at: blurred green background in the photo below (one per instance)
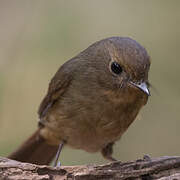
(36, 37)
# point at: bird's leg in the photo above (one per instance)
(58, 153)
(107, 152)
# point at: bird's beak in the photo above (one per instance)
(142, 86)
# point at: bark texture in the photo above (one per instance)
(163, 168)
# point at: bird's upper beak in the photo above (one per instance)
(142, 86)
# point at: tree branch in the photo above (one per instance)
(145, 169)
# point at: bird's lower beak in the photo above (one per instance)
(142, 86)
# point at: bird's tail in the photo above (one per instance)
(35, 150)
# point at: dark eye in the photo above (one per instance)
(116, 68)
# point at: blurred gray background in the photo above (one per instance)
(36, 37)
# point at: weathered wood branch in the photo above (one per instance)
(146, 169)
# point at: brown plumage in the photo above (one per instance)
(34, 150)
(92, 99)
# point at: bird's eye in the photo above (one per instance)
(116, 68)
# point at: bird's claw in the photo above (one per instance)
(146, 157)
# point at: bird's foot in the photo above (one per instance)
(146, 157)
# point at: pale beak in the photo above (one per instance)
(142, 86)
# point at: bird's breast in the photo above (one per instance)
(90, 124)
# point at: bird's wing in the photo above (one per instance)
(57, 87)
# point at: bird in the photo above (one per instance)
(91, 101)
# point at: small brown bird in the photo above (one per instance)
(91, 101)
